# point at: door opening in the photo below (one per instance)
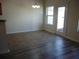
(60, 19)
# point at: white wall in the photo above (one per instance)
(21, 17)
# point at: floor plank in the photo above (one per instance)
(40, 45)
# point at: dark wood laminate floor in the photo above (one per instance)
(41, 45)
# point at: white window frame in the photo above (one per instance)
(49, 15)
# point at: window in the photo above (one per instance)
(50, 12)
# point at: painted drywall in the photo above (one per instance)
(71, 19)
(3, 39)
(3, 45)
(21, 17)
(72, 22)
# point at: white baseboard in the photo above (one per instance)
(22, 31)
(62, 35)
(70, 38)
(49, 30)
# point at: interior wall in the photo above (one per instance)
(21, 17)
(72, 23)
(71, 19)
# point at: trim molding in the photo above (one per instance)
(49, 31)
(70, 38)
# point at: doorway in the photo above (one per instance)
(55, 19)
(61, 19)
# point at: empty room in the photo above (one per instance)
(39, 29)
